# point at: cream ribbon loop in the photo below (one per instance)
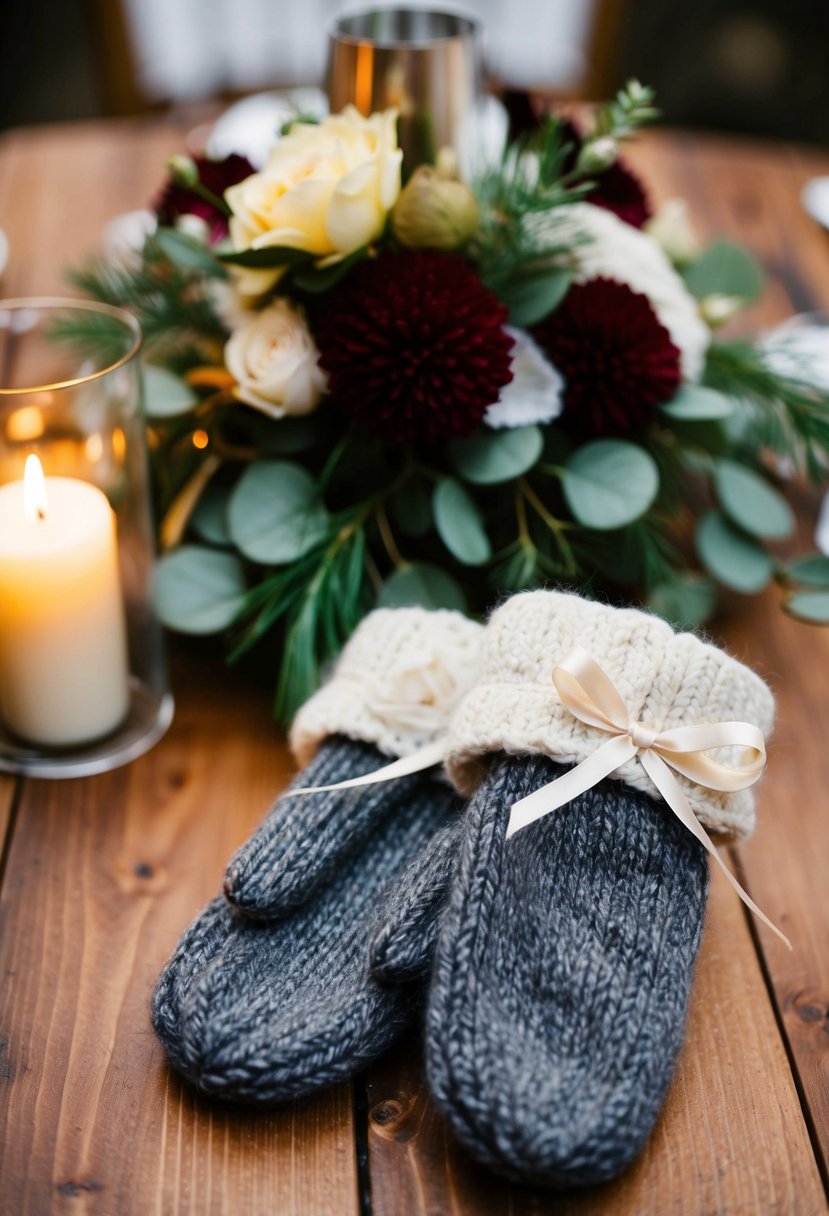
(590, 695)
(425, 757)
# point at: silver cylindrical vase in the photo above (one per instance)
(425, 64)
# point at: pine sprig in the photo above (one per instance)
(788, 415)
(631, 109)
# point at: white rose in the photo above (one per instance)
(326, 189)
(273, 359)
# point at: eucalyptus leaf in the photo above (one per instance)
(281, 436)
(609, 483)
(686, 602)
(810, 571)
(730, 556)
(459, 524)
(198, 590)
(534, 294)
(275, 514)
(422, 584)
(165, 394)
(187, 253)
(266, 259)
(811, 607)
(696, 403)
(751, 503)
(209, 520)
(724, 269)
(491, 457)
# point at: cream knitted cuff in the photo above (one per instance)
(396, 683)
(666, 680)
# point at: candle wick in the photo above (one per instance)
(41, 514)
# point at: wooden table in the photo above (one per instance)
(100, 876)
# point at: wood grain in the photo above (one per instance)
(102, 877)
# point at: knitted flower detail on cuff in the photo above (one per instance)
(396, 684)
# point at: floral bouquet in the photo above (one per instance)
(371, 382)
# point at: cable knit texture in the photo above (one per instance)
(560, 986)
(299, 845)
(395, 684)
(666, 680)
(264, 1012)
(404, 942)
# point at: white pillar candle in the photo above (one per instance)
(63, 649)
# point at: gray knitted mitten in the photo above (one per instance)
(564, 962)
(303, 840)
(262, 1012)
(404, 941)
(559, 994)
(391, 692)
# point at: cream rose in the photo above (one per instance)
(326, 189)
(273, 359)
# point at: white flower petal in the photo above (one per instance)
(535, 392)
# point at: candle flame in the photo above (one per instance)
(34, 490)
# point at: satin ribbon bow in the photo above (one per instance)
(590, 695)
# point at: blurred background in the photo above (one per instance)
(758, 67)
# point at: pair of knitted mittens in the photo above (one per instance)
(269, 994)
(560, 980)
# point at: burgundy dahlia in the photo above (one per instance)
(215, 176)
(414, 346)
(616, 357)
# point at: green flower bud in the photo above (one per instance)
(718, 308)
(434, 212)
(596, 156)
(183, 170)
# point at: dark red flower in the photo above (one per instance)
(616, 357)
(414, 346)
(216, 176)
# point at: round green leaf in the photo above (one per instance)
(459, 523)
(696, 403)
(198, 590)
(811, 607)
(724, 269)
(752, 504)
(533, 295)
(422, 584)
(166, 394)
(275, 515)
(494, 456)
(686, 602)
(188, 253)
(209, 520)
(609, 483)
(810, 571)
(733, 558)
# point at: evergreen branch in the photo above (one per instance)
(784, 413)
(630, 109)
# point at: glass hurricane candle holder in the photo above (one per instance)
(83, 672)
(425, 64)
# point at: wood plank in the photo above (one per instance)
(786, 864)
(102, 876)
(730, 1139)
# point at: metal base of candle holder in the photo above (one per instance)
(147, 720)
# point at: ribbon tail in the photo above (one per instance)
(584, 776)
(669, 788)
(425, 757)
